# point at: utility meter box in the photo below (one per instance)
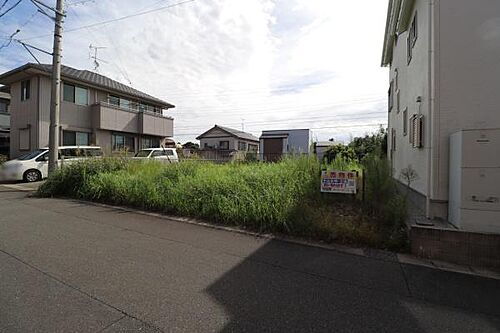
(474, 184)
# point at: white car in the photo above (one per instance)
(167, 155)
(33, 166)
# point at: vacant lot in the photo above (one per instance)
(281, 197)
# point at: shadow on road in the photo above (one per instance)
(283, 288)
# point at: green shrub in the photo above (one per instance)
(3, 159)
(70, 179)
(339, 150)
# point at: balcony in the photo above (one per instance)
(111, 117)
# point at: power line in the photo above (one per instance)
(309, 119)
(250, 108)
(12, 7)
(3, 4)
(118, 19)
(9, 41)
(312, 128)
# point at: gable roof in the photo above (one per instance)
(90, 78)
(233, 132)
(398, 17)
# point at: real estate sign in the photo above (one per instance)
(335, 181)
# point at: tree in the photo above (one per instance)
(370, 144)
(191, 145)
(339, 150)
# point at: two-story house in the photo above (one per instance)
(444, 79)
(4, 121)
(95, 110)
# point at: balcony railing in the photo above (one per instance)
(112, 117)
(135, 107)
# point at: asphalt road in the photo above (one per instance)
(67, 266)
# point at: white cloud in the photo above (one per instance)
(277, 64)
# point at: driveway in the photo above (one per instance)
(66, 266)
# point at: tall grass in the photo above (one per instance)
(278, 197)
(260, 196)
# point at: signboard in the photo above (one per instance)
(335, 181)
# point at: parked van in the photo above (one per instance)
(33, 166)
(167, 155)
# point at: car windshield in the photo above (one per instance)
(143, 153)
(31, 155)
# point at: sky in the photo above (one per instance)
(252, 64)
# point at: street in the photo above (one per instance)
(67, 266)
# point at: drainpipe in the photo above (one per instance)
(429, 131)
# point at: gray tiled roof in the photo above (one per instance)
(239, 134)
(99, 81)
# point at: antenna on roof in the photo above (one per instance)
(94, 55)
(242, 124)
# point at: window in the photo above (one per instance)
(242, 145)
(82, 139)
(396, 79)
(166, 152)
(412, 38)
(43, 158)
(224, 145)
(81, 96)
(71, 138)
(122, 142)
(25, 90)
(114, 100)
(393, 140)
(124, 103)
(74, 94)
(150, 143)
(69, 93)
(71, 153)
(31, 155)
(398, 101)
(405, 122)
(417, 131)
(253, 148)
(390, 95)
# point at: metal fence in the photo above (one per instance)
(224, 156)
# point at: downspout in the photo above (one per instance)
(429, 132)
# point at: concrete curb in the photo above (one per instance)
(401, 258)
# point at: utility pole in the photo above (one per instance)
(55, 97)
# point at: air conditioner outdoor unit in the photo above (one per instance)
(474, 180)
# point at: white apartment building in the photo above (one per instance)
(444, 59)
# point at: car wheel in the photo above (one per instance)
(32, 175)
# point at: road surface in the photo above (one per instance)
(67, 266)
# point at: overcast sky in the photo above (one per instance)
(267, 64)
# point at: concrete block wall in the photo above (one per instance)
(465, 248)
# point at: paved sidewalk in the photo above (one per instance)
(68, 266)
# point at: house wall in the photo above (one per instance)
(455, 70)
(23, 115)
(413, 81)
(468, 74)
(216, 135)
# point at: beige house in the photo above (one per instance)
(223, 143)
(444, 79)
(4, 121)
(95, 110)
